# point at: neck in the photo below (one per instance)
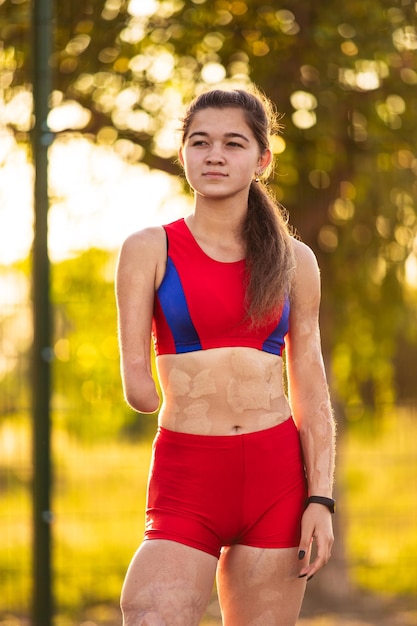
(222, 217)
(218, 234)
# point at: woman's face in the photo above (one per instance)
(220, 154)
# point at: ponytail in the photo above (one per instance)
(269, 254)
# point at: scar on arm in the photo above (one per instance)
(319, 446)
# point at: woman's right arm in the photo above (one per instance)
(140, 269)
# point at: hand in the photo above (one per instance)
(316, 524)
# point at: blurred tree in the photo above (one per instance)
(344, 76)
(87, 398)
(15, 339)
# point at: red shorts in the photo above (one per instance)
(213, 491)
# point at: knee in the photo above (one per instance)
(137, 616)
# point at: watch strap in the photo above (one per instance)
(327, 502)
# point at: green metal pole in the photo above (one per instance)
(42, 353)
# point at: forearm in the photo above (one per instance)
(317, 434)
(312, 411)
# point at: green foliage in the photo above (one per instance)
(15, 337)
(87, 397)
(377, 474)
(87, 391)
(345, 78)
(98, 502)
(96, 506)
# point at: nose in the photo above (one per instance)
(214, 155)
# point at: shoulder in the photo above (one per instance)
(143, 254)
(306, 281)
(151, 239)
(304, 255)
(144, 247)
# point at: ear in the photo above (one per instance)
(265, 159)
(180, 157)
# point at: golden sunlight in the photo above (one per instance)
(411, 269)
(97, 198)
(16, 201)
(99, 191)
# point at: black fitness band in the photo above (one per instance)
(328, 502)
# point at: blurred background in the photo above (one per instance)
(117, 75)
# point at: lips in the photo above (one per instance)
(214, 174)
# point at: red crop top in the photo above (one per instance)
(200, 303)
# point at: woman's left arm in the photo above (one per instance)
(311, 407)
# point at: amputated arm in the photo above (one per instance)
(140, 267)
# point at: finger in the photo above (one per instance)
(305, 542)
(304, 557)
(322, 557)
(321, 560)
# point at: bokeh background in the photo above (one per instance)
(344, 76)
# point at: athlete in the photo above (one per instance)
(241, 478)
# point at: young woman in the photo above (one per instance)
(241, 476)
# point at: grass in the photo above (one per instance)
(378, 481)
(99, 499)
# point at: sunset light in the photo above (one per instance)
(99, 192)
(94, 102)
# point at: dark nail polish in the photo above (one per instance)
(302, 576)
(310, 577)
(301, 554)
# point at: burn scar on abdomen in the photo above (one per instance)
(252, 385)
(179, 382)
(202, 385)
(243, 395)
(196, 417)
(182, 384)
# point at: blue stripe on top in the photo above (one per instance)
(275, 342)
(174, 306)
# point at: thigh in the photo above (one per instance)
(167, 583)
(259, 586)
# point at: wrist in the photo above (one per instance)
(327, 502)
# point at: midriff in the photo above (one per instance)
(222, 391)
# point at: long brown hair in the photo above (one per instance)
(269, 251)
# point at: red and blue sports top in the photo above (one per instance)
(200, 303)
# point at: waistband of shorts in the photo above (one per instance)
(172, 436)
